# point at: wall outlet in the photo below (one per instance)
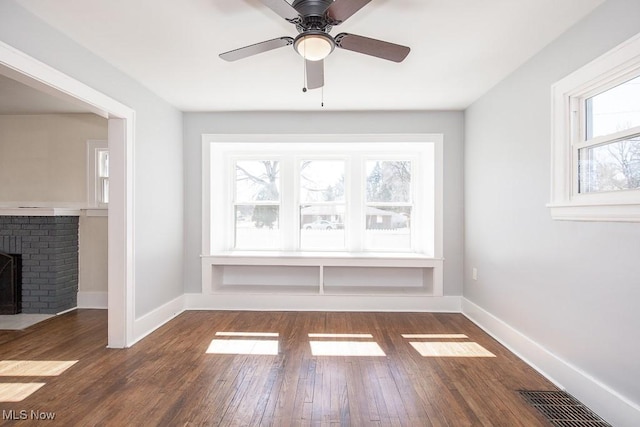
(474, 273)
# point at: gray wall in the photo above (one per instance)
(573, 287)
(448, 123)
(158, 152)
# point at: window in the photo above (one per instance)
(97, 174)
(310, 193)
(388, 204)
(609, 147)
(322, 204)
(596, 139)
(256, 204)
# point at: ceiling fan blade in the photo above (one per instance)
(341, 10)
(315, 74)
(282, 8)
(254, 49)
(378, 48)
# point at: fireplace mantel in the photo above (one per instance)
(38, 211)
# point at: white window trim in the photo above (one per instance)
(566, 203)
(94, 147)
(214, 204)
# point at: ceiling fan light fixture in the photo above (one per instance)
(314, 46)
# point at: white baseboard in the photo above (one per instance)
(92, 300)
(149, 322)
(264, 302)
(69, 310)
(607, 403)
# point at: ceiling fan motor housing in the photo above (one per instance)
(313, 15)
(311, 7)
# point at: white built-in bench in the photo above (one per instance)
(320, 273)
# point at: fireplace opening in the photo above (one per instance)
(10, 283)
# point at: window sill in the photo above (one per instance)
(318, 256)
(604, 212)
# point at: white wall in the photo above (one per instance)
(43, 157)
(158, 194)
(572, 287)
(448, 123)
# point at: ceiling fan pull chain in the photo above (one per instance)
(304, 75)
(322, 97)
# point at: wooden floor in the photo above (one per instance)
(180, 375)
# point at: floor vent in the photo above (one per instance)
(562, 409)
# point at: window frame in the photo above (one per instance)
(568, 127)
(96, 182)
(217, 149)
(232, 164)
(416, 199)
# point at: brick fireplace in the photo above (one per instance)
(48, 246)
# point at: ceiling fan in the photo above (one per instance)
(314, 19)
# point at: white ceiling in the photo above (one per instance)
(459, 50)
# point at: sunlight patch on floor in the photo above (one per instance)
(451, 349)
(242, 346)
(247, 334)
(17, 392)
(434, 336)
(345, 348)
(34, 368)
(340, 336)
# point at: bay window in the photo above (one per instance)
(322, 193)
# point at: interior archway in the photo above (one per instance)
(18, 66)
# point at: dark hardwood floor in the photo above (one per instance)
(178, 375)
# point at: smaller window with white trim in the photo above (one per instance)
(595, 147)
(97, 174)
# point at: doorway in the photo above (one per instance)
(37, 75)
